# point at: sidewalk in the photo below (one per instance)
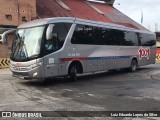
(5, 71)
(156, 76)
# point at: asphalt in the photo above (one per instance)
(131, 91)
(5, 71)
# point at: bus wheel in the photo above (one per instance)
(73, 73)
(134, 65)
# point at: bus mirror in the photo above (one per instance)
(49, 32)
(1, 39)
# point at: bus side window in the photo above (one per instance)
(51, 44)
(139, 39)
(131, 39)
(58, 36)
(147, 39)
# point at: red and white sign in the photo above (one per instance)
(144, 52)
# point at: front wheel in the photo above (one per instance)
(73, 73)
(133, 66)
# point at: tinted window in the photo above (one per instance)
(151, 40)
(103, 36)
(115, 37)
(131, 39)
(142, 38)
(97, 36)
(147, 40)
(82, 35)
(59, 33)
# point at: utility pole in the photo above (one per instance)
(156, 27)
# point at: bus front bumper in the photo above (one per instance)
(36, 73)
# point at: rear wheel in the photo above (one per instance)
(134, 65)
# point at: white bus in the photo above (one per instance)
(66, 46)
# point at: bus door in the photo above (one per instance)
(51, 59)
(51, 63)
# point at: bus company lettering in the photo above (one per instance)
(144, 52)
(18, 64)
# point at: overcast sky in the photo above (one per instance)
(150, 8)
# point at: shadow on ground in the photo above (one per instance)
(83, 78)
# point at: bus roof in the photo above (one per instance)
(45, 21)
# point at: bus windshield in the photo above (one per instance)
(27, 42)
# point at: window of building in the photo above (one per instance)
(24, 19)
(9, 10)
(9, 17)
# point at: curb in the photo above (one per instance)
(156, 76)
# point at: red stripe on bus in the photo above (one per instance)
(71, 59)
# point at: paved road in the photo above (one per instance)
(108, 91)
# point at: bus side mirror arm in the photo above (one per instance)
(49, 32)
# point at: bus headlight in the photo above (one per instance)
(34, 65)
(35, 74)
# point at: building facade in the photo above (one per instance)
(104, 12)
(15, 12)
(12, 14)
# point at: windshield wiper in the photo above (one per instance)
(17, 42)
(26, 53)
(22, 46)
